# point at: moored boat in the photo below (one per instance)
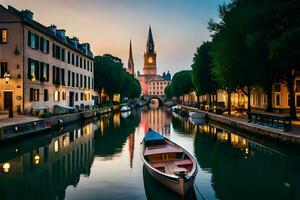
(125, 108)
(197, 115)
(168, 163)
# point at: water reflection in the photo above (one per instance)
(241, 168)
(45, 172)
(100, 160)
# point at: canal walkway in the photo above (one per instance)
(292, 136)
(17, 119)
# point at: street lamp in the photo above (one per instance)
(6, 77)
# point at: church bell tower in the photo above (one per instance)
(150, 56)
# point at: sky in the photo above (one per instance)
(178, 26)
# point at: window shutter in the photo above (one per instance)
(53, 74)
(37, 41)
(37, 70)
(47, 72)
(41, 44)
(31, 94)
(47, 46)
(29, 68)
(29, 38)
(38, 94)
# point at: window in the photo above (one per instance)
(73, 58)
(89, 82)
(80, 62)
(33, 70)
(46, 95)
(76, 96)
(33, 40)
(277, 87)
(77, 60)
(73, 79)
(84, 63)
(62, 54)
(81, 96)
(57, 52)
(44, 45)
(88, 67)
(298, 101)
(44, 71)
(277, 100)
(84, 81)
(88, 63)
(3, 69)
(3, 36)
(297, 85)
(77, 80)
(81, 80)
(34, 94)
(69, 77)
(69, 57)
(63, 95)
(56, 95)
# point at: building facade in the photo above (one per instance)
(45, 66)
(151, 83)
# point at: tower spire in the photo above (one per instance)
(150, 42)
(130, 68)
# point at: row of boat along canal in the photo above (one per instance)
(195, 118)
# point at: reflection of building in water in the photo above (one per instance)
(131, 148)
(45, 172)
(157, 119)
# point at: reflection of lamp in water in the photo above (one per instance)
(56, 146)
(64, 141)
(37, 159)
(6, 167)
(247, 151)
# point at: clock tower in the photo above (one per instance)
(150, 56)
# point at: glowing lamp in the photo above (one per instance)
(6, 77)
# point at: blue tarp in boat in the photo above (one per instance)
(153, 137)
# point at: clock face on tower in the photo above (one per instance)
(150, 60)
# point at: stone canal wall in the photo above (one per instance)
(21, 130)
(236, 124)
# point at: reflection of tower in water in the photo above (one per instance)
(156, 119)
(131, 148)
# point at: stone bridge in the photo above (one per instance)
(160, 98)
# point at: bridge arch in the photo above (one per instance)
(157, 97)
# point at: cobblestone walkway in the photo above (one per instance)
(17, 119)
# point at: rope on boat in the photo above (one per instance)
(199, 192)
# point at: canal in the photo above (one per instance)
(100, 159)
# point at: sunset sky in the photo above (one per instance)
(178, 26)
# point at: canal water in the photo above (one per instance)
(100, 159)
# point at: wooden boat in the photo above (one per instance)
(168, 163)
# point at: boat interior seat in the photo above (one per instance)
(171, 168)
(183, 162)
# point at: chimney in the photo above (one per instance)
(61, 33)
(75, 42)
(52, 28)
(27, 14)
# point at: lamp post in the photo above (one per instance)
(10, 111)
(6, 77)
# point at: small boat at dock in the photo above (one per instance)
(168, 163)
(125, 108)
(197, 115)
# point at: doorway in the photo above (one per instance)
(8, 100)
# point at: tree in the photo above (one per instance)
(202, 75)
(168, 91)
(285, 53)
(182, 83)
(110, 76)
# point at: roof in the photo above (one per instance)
(46, 30)
(153, 136)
